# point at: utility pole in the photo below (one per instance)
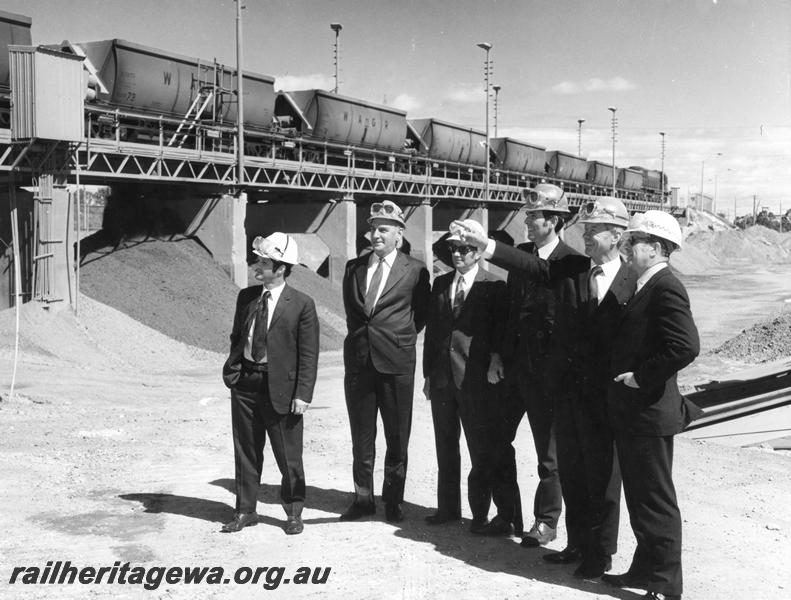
(579, 136)
(755, 209)
(662, 181)
(496, 89)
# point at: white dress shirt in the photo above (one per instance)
(648, 274)
(387, 264)
(469, 277)
(274, 296)
(607, 276)
(547, 249)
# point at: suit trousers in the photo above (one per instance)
(526, 393)
(253, 419)
(368, 392)
(647, 470)
(451, 410)
(589, 475)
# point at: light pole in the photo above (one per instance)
(487, 66)
(336, 27)
(714, 201)
(612, 109)
(662, 171)
(496, 89)
(579, 136)
(239, 95)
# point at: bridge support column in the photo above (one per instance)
(419, 232)
(338, 230)
(219, 224)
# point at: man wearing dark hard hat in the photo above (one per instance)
(385, 294)
(271, 371)
(655, 338)
(582, 337)
(523, 360)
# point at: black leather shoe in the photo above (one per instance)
(357, 510)
(239, 522)
(394, 513)
(658, 596)
(567, 556)
(591, 568)
(498, 526)
(294, 526)
(625, 580)
(479, 526)
(540, 534)
(440, 517)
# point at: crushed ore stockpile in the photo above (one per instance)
(175, 287)
(705, 249)
(763, 342)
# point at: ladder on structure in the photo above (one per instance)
(205, 95)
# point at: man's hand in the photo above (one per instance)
(476, 238)
(628, 380)
(298, 407)
(496, 371)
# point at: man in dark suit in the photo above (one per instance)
(271, 371)
(385, 294)
(523, 360)
(655, 338)
(596, 292)
(465, 306)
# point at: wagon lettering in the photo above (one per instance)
(166, 77)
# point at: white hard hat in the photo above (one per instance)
(657, 223)
(468, 225)
(605, 210)
(277, 246)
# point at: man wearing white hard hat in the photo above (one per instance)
(655, 338)
(385, 295)
(461, 327)
(600, 284)
(271, 371)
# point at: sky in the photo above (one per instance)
(713, 75)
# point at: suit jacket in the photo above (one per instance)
(655, 338)
(459, 349)
(389, 334)
(292, 345)
(531, 313)
(581, 341)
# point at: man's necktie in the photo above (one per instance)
(458, 298)
(259, 330)
(593, 287)
(373, 288)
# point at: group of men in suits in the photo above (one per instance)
(616, 332)
(588, 346)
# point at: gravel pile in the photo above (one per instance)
(763, 342)
(175, 287)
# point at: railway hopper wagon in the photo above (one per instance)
(562, 165)
(518, 156)
(600, 174)
(443, 141)
(630, 179)
(339, 122)
(141, 81)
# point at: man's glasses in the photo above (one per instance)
(460, 249)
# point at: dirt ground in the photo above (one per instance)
(116, 446)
